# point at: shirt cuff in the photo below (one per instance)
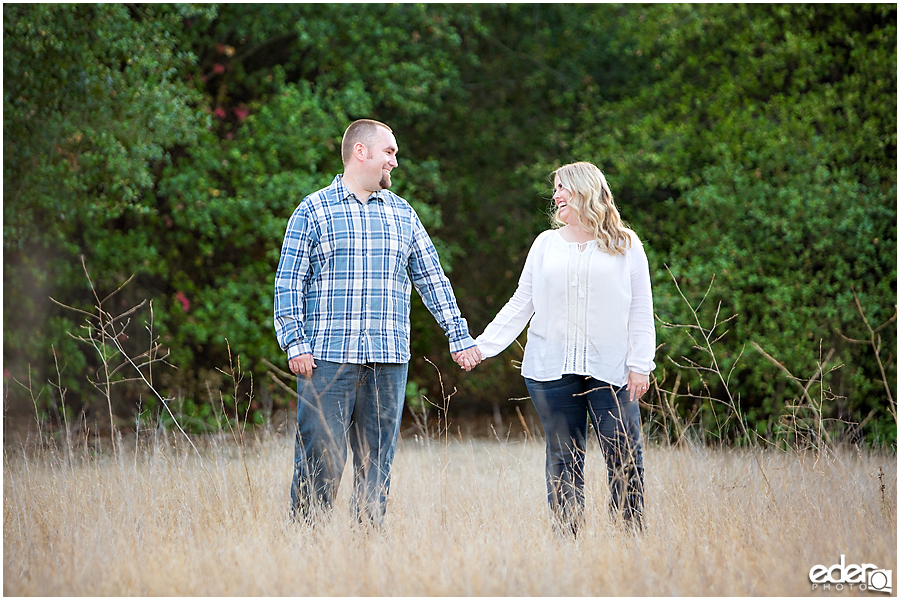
(642, 369)
(297, 349)
(462, 344)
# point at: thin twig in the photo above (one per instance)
(284, 386)
(279, 371)
(877, 348)
(715, 368)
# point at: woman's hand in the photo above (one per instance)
(637, 385)
(469, 358)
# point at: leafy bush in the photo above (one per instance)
(755, 144)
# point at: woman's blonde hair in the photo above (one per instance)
(593, 204)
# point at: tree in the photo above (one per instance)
(200, 161)
(753, 143)
(92, 103)
(763, 152)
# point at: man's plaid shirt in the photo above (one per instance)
(342, 288)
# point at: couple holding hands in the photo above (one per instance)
(342, 298)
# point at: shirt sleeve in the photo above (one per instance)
(513, 317)
(641, 329)
(290, 280)
(432, 284)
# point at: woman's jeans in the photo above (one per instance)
(341, 405)
(564, 406)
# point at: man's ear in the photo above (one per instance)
(360, 151)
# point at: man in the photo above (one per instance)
(342, 301)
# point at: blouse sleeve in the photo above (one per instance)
(641, 330)
(513, 317)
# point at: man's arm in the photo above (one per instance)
(433, 286)
(290, 280)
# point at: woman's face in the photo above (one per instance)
(561, 197)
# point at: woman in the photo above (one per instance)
(591, 342)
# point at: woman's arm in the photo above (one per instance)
(641, 329)
(514, 316)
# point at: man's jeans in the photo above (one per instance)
(563, 406)
(340, 404)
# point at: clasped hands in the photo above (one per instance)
(468, 358)
(304, 364)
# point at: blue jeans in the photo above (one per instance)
(564, 406)
(341, 405)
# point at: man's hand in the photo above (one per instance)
(637, 385)
(468, 358)
(302, 365)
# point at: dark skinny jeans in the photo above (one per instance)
(564, 406)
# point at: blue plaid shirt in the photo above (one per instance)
(342, 288)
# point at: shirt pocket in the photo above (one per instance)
(396, 245)
(336, 250)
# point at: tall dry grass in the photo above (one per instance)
(466, 517)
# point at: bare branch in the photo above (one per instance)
(119, 289)
(277, 370)
(283, 385)
(702, 300)
(129, 311)
(90, 281)
(85, 313)
(784, 369)
(877, 348)
(886, 323)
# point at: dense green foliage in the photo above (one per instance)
(752, 144)
(761, 150)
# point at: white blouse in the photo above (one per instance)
(593, 312)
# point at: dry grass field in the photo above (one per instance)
(466, 517)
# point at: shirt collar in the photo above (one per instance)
(342, 193)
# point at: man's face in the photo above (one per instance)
(381, 160)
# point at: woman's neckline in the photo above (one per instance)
(565, 241)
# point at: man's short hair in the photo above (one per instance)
(363, 131)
